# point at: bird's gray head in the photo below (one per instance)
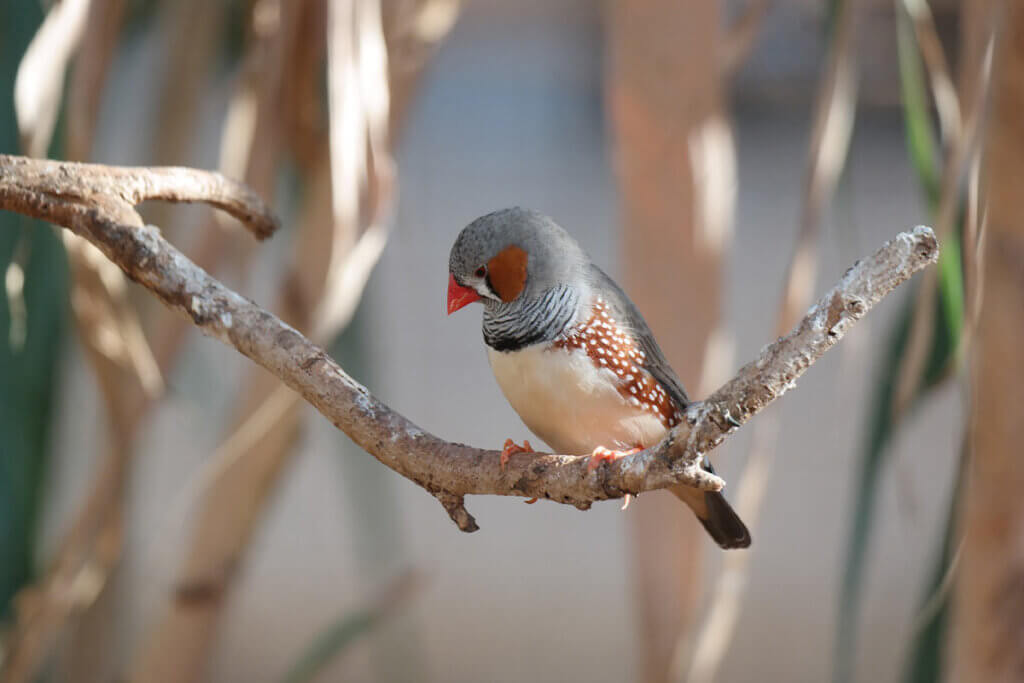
(525, 268)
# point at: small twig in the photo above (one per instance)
(68, 183)
(449, 470)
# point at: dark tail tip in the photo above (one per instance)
(723, 524)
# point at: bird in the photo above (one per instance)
(571, 353)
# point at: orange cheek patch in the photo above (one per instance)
(506, 273)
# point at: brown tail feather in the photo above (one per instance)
(714, 512)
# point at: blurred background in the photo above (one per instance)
(168, 512)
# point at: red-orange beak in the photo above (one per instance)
(459, 296)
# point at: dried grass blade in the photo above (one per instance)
(827, 153)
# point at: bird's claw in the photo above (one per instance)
(602, 454)
(511, 448)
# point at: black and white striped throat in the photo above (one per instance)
(517, 324)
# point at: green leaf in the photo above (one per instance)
(339, 635)
(917, 117)
(947, 328)
(924, 664)
(924, 157)
(28, 365)
(328, 644)
(831, 18)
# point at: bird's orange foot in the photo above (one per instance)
(511, 448)
(602, 454)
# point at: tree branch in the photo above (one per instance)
(67, 183)
(95, 202)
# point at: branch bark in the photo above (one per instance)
(88, 200)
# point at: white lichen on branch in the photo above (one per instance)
(104, 215)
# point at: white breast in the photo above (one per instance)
(570, 403)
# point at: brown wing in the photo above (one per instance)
(712, 509)
(630, 318)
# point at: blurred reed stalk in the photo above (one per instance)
(107, 325)
(33, 297)
(959, 125)
(988, 606)
(273, 112)
(832, 128)
(675, 164)
(981, 27)
(342, 231)
(189, 35)
(253, 144)
(739, 40)
(129, 375)
(932, 337)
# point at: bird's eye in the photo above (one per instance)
(481, 271)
